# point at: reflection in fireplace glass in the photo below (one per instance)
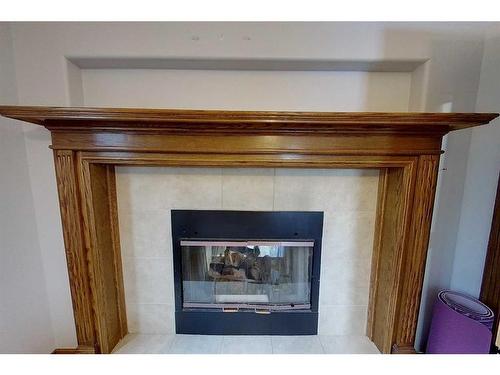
(267, 275)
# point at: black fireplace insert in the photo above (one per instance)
(246, 272)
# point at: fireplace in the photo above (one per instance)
(89, 142)
(246, 272)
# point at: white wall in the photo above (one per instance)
(25, 322)
(483, 166)
(449, 56)
(247, 90)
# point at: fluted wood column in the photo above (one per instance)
(404, 211)
(74, 244)
(87, 197)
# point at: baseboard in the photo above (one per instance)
(77, 350)
(403, 349)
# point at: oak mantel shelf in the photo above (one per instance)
(242, 121)
(88, 143)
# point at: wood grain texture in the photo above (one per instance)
(412, 272)
(490, 287)
(409, 349)
(89, 142)
(244, 121)
(377, 248)
(77, 350)
(246, 160)
(100, 230)
(117, 257)
(319, 144)
(405, 202)
(76, 252)
(395, 192)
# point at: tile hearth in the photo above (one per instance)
(200, 344)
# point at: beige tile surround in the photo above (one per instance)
(146, 196)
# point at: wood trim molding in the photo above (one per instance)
(490, 287)
(240, 121)
(264, 143)
(411, 275)
(409, 349)
(100, 228)
(77, 350)
(89, 142)
(76, 252)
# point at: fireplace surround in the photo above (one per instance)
(89, 142)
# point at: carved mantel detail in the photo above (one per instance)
(89, 142)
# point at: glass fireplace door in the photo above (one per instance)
(233, 275)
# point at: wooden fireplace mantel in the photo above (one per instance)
(243, 121)
(89, 142)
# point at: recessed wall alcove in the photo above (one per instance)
(89, 142)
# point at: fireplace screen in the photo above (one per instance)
(261, 275)
(264, 265)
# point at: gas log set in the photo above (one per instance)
(244, 263)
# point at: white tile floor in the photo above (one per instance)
(198, 344)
